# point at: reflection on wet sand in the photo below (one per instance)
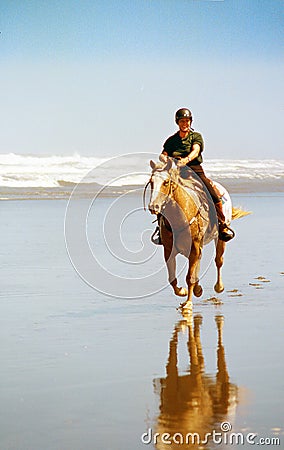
(195, 402)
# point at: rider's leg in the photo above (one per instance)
(225, 233)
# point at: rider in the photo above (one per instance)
(186, 145)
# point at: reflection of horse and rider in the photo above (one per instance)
(182, 199)
(194, 403)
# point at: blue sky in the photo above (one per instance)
(105, 77)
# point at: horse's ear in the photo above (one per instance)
(169, 164)
(152, 164)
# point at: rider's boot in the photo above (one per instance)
(156, 236)
(225, 232)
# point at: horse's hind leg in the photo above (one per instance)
(219, 260)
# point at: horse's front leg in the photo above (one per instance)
(192, 274)
(219, 260)
(170, 258)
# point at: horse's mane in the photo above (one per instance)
(174, 174)
(191, 183)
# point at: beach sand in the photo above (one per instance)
(84, 371)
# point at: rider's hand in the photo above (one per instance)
(163, 158)
(182, 162)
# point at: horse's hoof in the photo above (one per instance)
(219, 288)
(197, 290)
(219, 321)
(198, 320)
(186, 306)
(181, 292)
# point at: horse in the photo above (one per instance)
(187, 222)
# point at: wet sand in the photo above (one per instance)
(83, 371)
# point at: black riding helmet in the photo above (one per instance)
(183, 113)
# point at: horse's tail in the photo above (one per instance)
(238, 212)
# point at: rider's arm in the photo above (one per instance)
(195, 150)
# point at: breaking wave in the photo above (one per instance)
(30, 172)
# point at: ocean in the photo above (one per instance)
(30, 176)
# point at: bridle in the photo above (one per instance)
(168, 195)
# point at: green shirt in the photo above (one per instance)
(177, 147)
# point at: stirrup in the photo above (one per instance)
(224, 235)
(156, 238)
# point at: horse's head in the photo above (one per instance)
(161, 184)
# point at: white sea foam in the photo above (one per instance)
(23, 171)
(267, 169)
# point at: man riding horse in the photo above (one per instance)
(186, 147)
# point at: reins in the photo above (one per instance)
(144, 193)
